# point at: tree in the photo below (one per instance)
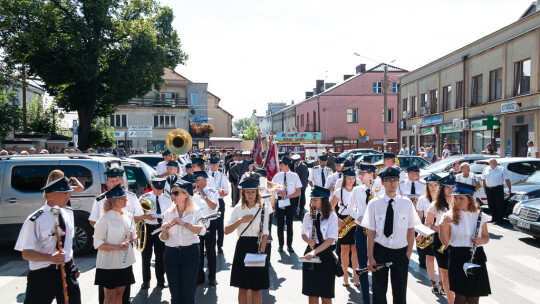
(251, 132)
(40, 119)
(91, 55)
(241, 125)
(10, 113)
(101, 134)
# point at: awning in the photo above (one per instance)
(200, 119)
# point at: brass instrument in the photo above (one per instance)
(423, 242)
(178, 141)
(313, 214)
(59, 233)
(147, 205)
(349, 223)
(442, 248)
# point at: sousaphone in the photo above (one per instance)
(178, 141)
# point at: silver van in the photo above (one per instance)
(22, 177)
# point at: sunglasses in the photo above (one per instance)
(175, 193)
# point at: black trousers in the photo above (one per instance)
(44, 285)
(495, 197)
(236, 194)
(220, 224)
(302, 200)
(286, 216)
(208, 242)
(398, 274)
(125, 295)
(181, 268)
(153, 242)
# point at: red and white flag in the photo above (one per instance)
(272, 161)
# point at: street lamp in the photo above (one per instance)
(54, 110)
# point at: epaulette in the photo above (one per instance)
(34, 216)
(102, 196)
(68, 207)
(316, 167)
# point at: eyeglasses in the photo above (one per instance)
(175, 193)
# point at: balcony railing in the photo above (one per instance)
(157, 102)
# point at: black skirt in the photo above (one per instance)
(476, 285)
(254, 278)
(347, 239)
(319, 282)
(442, 258)
(112, 278)
(426, 251)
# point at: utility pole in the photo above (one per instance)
(385, 111)
(25, 120)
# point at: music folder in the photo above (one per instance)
(255, 260)
(423, 230)
(315, 260)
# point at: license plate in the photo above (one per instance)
(524, 224)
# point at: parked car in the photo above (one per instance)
(22, 177)
(359, 158)
(444, 165)
(525, 189)
(526, 217)
(347, 153)
(153, 159)
(406, 161)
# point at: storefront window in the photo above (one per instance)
(156, 145)
(428, 141)
(482, 138)
(453, 140)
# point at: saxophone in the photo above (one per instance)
(349, 223)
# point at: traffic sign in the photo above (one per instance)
(362, 132)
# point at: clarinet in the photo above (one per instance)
(56, 211)
(313, 231)
(261, 226)
(474, 245)
(360, 271)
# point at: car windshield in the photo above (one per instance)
(152, 161)
(441, 164)
(149, 172)
(534, 178)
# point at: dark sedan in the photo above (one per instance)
(525, 189)
(525, 217)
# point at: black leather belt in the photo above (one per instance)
(186, 247)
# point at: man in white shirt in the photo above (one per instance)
(493, 179)
(332, 179)
(404, 150)
(318, 174)
(532, 152)
(162, 203)
(223, 187)
(390, 221)
(161, 168)
(466, 176)
(38, 245)
(286, 201)
(446, 152)
(389, 160)
(412, 187)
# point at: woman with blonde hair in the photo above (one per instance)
(73, 182)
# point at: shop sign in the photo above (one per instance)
(140, 131)
(433, 120)
(447, 129)
(428, 131)
(119, 134)
(294, 137)
(509, 107)
(478, 125)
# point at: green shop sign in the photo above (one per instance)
(447, 129)
(428, 131)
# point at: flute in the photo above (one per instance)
(203, 220)
(56, 211)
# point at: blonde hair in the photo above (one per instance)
(188, 204)
(54, 175)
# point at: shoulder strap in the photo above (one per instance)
(251, 222)
(38, 213)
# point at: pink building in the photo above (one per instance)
(356, 104)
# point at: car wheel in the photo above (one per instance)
(82, 241)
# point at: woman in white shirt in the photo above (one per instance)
(113, 233)
(435, 213)
(463, 228)
(181, 237)
(346, 244)
(319, 281)
(422, 207)
(246, 220)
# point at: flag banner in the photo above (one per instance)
(272, 161)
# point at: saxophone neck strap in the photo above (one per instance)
(250, 222)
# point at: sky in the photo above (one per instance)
(252, 52)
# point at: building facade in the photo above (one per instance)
(284, 120)
(485, 92)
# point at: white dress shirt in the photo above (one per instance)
(113, 228)
(315, 175)
(221, 181)
(405, 217)
(329, 227)
(357, 202)
(494, 177)
(164, 204)
(342, 203)
(438, 213)
(331, 180)
(462, 233)
(404, 188)
(161, 168)
(253, 230)
(38, 235)
(133, 206)
(212, 195)
(423, 205)
(531, 152)
(180, 235)
(293, 181)
(466, 180)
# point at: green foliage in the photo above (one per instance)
(41, 119)
(90, 55)
(101, 135)
(241, 125)
(251, 132)
(11, 114)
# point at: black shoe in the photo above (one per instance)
(220, 251)
(200, 281)
(162, 284)
(145, 285)
(280, 249)
(290, 250)
(213, 283)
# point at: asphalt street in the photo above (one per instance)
(513, 266)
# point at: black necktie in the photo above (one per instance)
(213, 174)
(317, 224)
(322, 177)
(340, 175)
(368, 193)
(158, 208)
(62, 225)
(413, 190)
(389, 221)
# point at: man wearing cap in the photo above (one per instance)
(207, 198)
(412, 188)
(38, 245)
(320, 173)
(291, 191)
(161, 168)
(389, 160)
(390, 221)
(162, 203)
(223, 187)
(252, 166)
(199, 164)
(172, 176)
(331, 160)
(303, 173)
(331, 180)
(236, 173)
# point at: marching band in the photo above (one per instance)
(369, 219)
